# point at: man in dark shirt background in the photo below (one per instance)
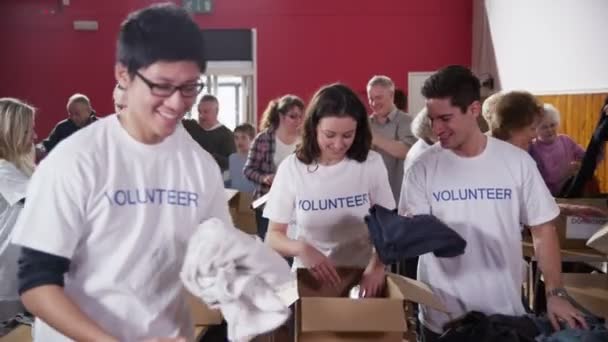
(80, 114)
(214, 137)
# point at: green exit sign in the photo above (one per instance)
(197, 6)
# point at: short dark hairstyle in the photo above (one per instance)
(161, 32)
(335, 100)
(245, 129)
(454, 82)
(514, 110)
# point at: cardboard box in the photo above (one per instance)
(242, 214)
(574, 231)
(589, 290)
(324, 313)
(599, 240)
(239, 204)
(22, 333)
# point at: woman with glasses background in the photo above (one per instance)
(280, 133)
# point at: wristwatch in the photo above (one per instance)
(558, 291)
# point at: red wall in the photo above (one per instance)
(301, 45)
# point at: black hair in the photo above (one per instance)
(161, 32)
(454, 82)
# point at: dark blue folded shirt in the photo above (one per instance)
(398, 237)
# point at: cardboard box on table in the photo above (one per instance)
(239, 204)
(325, 314)
(591, 290)
(574, 231)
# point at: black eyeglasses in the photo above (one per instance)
(166, 90)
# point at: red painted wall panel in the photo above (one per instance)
(301, 45)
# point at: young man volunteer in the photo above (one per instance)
(110, 211)
(485, 189)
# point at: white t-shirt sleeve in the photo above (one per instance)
(381, 192)
(282, 195)
(413, 199)
(53, 219)
(538, 205)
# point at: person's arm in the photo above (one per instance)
(278, 240)
(538, 210)
(374, 276)
(395, 148)
(585, 211)
(53, 139)
(404, 140)
(50, 304)
(41, 288)
(317, 263)
(547, 251)
(255, 158)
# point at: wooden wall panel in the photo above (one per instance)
(579, 116)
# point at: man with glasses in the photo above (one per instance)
(110, 211)
(214, 137)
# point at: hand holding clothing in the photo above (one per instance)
(559, 309)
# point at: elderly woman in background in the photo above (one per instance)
(558, 156)
(515, 119)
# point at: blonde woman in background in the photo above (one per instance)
(16, 166)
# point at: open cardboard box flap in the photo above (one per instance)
(599, 240)
(416, 291)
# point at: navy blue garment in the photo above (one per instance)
(597, 328)
(397, 237)
(476, 326)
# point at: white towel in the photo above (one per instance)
(238, 274)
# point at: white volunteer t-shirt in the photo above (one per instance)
(330, 203)
(122, 212)
(282, 150)
(486, 199)
(13, 184)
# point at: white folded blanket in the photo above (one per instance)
(238, 274)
